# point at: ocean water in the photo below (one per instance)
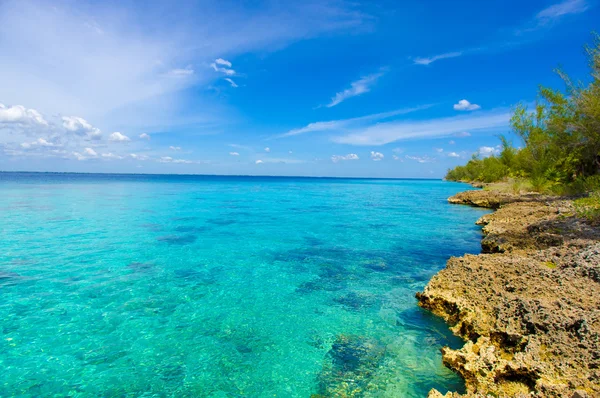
(182, 286)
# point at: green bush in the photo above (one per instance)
(560, 136)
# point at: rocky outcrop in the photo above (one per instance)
(529, 308)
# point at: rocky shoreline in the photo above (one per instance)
(528, 307)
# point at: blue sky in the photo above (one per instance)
(312, 88)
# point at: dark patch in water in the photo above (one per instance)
(187, 218)
(312, 241)
(322, 207)
(243, 349)
(152, 227)
(8, 275)
(320, 284)
(140, 267)
(240, 214)
(54, 219)
(221, 221)
(177, 239)
(378, 266)
(205, 276)
(173, 372)
(335, 272)
(349, 366)
(355, 301)
(191, 228)
(381, 225)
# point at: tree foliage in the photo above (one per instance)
(560, 137)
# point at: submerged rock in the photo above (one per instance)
(355, 301)
(349, 367)
(177, 239)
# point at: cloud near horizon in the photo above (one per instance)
(388, 132)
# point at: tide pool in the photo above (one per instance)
(200, 286)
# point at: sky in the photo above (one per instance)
(312, 88)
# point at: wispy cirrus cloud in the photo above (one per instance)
(388, 132)
(421, 159)
(338, 158)
(231, 82)
(432, 59)
(545, 18)
(222, 66)
(358, 87)
(136, 63)
(344, 124)
(561, 9)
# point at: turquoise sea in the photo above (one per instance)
(205, 286)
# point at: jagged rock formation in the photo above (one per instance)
(529, 308)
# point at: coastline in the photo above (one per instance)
(528, 306)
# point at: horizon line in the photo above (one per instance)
(217, 175)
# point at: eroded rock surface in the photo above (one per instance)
(529, 310)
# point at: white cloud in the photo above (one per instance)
(175, 148)
(344, 124)
(138, 157)
(398, 158)
(398, 150)
(563, 8)
(168, 159)
(259, 161)
(421, 159)
(110, 155)
(136, 53)
(462, 134)
(81, 127)
(18, 114)
(282, 160)
(40, 142)
(385, 133)
(350, 156)
(356, 88)
(487, 151)
(144, 136)
(90, 152)
(221, 61)
(267, 149)
(79, 156)
(453, 155)
(231, 82)
(179, 72)
(430, 60)
(451, 142)
(464, 105)
(439, 150)
(225, 70)
(376, 156)
(118, 137)
(234, 154)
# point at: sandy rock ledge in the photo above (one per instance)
(529, 306)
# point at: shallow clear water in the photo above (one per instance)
(222, 286)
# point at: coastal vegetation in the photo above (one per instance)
(560, 141)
